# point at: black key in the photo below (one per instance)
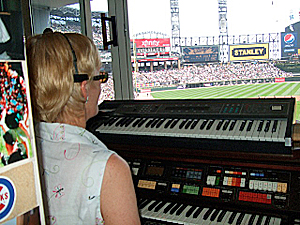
(240, 219)
(214, 215)
(129, 121)
(142, 122)
(206, 215)
(149, 123)
(179, 211)
(136, 122)
(250, 125)
(168, 123)
(188, 124)
(144, 203)
(260, 126)
(221, 216)
(190, 211)
(182, 123)
(175, 121)
(252, 218)
(232, 125)
(154, 122)
(159, 206)
(243, 124)
(267, 222)
(210, 123)
(231, 218)
(124, 121)
(197, 212)
(150, 207)
(194, 124)
(167, 209)
(160, 122)
(203, 124)
(259, 220)
(226, 124)
(173, 210)
(275, 124)
(219, 125)
(267, 127)
(120, 121)
(112, 121)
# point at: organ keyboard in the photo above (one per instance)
(256, 125)
(229, 161)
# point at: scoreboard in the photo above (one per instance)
(198, 54)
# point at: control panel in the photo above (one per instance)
(242, 185)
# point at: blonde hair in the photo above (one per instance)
(55, 96)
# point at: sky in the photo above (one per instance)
(200, 17)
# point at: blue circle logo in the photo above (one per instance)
(7, 197)
(289, 38)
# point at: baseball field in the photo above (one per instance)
(286, 89)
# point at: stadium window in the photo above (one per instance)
(57, 15)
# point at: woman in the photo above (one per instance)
(84, 182)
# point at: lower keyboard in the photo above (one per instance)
(159, 212)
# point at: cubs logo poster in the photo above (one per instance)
(7, 197)
(15, 142)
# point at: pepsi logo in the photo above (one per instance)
(7, 197)
(289, 38)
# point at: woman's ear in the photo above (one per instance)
(83, 87)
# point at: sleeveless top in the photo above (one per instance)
(72, 162)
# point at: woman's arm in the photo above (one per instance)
(118, 199)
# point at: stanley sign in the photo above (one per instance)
(249, 52)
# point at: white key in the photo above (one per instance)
(236, 133)
(243, 133)
(246, 219)
(225, 218)
(282, 130)
(249, 134)
(256, 133)
(277, 221)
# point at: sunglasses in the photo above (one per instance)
(102, 76)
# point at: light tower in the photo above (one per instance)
(175, 39)
(223, 31)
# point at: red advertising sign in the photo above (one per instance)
(152, 42)
(279, 79)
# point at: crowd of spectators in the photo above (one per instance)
(199, 74)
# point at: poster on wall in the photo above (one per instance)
(15, 142)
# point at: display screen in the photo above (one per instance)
(155, 170)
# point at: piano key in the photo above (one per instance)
(208, 213)
(246, 219)
(243, 129)
(160, 214)
(249, 134)
(259, 221)
(224, 218)
(235, 134)
(198, 217)
(282, 130)
(160, 122)
(153, 205)
(145, 208)
(203, 124)
(194, 124)
(267, 221)
(214, 215)
(232, 217)
(240, 219)
(179, 215)
(277, 221)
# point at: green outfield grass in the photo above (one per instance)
(237, 91)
